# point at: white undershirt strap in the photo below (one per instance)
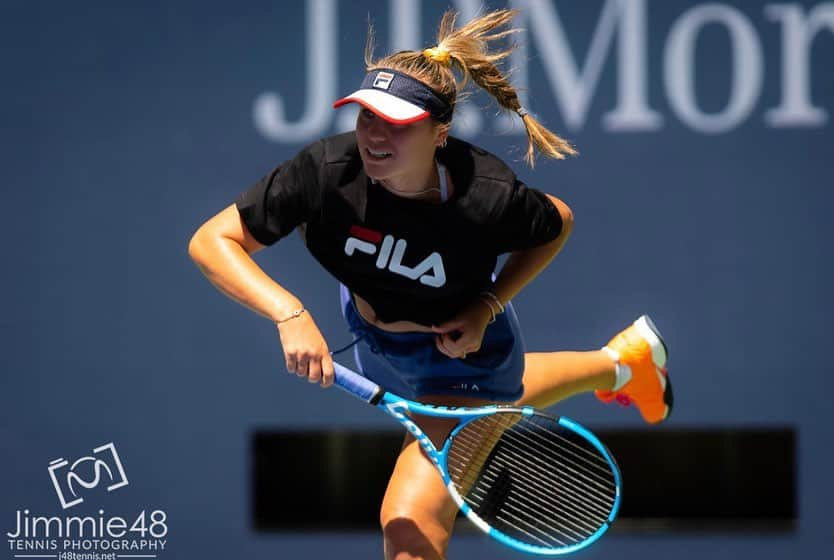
(444, 188)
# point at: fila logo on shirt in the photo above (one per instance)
(429, 272)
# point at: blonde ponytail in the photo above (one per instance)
(468, 47)
(468, 50)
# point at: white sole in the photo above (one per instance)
(648, 331)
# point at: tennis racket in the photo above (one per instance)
(534, 482)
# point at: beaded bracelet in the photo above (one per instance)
(295, 314)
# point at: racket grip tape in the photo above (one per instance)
(357, 385)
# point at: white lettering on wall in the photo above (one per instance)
(679, 68)
(320, 86)
(798, 32)
(632, 111)
(574, 85)
(573, 80)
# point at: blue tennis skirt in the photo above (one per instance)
(410, 365)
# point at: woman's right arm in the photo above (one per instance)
(222, 249)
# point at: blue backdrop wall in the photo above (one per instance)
(702, 195)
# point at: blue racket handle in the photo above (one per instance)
(355, 384)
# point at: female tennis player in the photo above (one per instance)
(411, 221)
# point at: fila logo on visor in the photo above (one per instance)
(383, 80)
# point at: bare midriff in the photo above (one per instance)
(367, 312)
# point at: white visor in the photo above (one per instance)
(387, 106)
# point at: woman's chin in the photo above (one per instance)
(377, 169)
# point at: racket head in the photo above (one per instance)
(541, 484)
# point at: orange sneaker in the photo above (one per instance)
(641, 354)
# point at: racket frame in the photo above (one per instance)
(399, 407)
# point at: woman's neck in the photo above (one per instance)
(425, 180)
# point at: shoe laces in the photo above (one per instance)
(623, 399)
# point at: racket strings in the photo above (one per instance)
(528, 517)
(526, 524)
(530, 513)
(542, 496)
(541, 499)
(600, 482)
(532, 479)
(491, 429)
(530, 510)
(594, 499)
(546, 496)
(483, 435)
(537, 453)
(599, 478)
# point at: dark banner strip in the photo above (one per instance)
(723, 480)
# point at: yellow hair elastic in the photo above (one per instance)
(440, 55)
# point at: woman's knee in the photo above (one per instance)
(417, 512)
(412, 535)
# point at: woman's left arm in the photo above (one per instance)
(522, 266)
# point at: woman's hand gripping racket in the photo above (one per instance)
(534, 482)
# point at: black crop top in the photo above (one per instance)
(409, 259)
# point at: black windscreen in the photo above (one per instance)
(717, 479)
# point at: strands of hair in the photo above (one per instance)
(473, 53)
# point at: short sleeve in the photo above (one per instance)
(528, 219)
(285, 198)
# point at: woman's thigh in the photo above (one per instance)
(418, 514)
